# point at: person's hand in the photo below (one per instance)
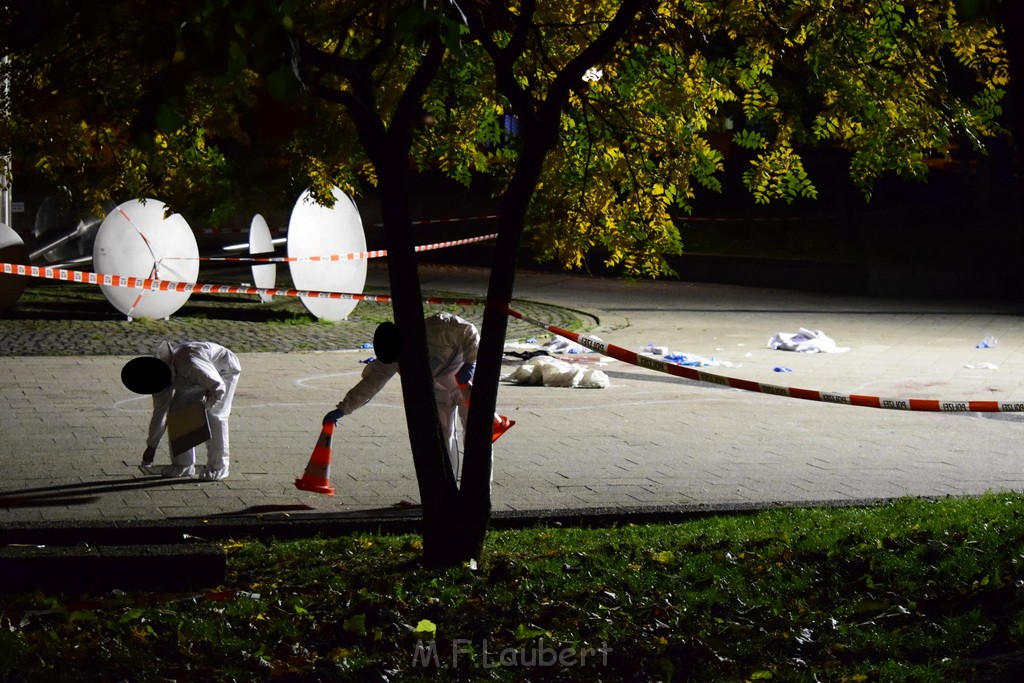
(148, 456)
(465, 374)
(334, 416)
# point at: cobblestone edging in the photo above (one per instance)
(33, 330)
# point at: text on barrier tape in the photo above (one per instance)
(651, 363)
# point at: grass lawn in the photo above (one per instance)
(912, 591)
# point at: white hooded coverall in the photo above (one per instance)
(451, 343)
(198, 368)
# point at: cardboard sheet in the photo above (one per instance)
(187, 426)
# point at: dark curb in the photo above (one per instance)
(178, 531)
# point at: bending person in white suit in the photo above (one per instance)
(181, 374)
(452, 344)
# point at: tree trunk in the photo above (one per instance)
(475, 489)
(539, 131)
(438, 491)
(388, 149)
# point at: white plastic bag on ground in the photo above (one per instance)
(805, 341)
(559, 345)
(551, 372)
(594, 379)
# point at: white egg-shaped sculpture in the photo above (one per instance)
(12, 250)
(264, 275)
(141, 239)
(315, 230)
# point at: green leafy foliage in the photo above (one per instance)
(750, 139)
(638, 134)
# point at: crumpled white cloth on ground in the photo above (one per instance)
(558, 345)
(551, 372)
(805, 341)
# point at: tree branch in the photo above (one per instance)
(408, 104)
(505, 58)
(571, 76)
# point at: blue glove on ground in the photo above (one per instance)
(334, 416)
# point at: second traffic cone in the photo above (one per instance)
(501, 425)
(317, 477)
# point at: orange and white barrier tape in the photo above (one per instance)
(356, 256)
(157, 285)
(593, 343)
(652, 363)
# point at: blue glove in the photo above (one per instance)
(334, 416)
(465, 373)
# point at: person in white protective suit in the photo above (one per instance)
(452, 344)
(199, 371)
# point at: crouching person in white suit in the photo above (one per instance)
(179, 374)
(452, 344)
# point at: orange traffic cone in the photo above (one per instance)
(501, 425)
(317, 477)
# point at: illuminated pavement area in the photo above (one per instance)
(71, 435)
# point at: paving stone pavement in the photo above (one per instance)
(71, 435)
